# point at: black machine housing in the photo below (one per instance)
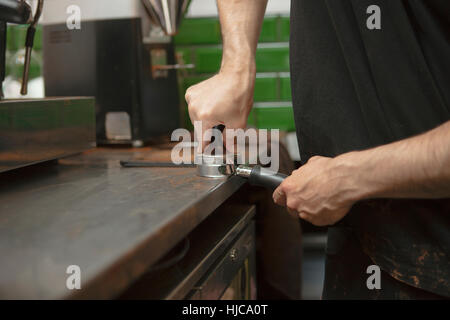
(110, 60)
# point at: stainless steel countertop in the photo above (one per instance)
(86, 210)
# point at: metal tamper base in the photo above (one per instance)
(212, 166)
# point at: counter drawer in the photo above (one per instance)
(180, 271)
(233, 277)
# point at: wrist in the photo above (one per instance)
(242, 74)
(356, 175)
(242, 64)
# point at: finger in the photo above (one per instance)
(237, 123)
(279, 197)
(230, 140)
(230, 137)
(307, 217)
(192, 112)
(201, 132)
(229, 145)
(293, 213)
(212, 142)
(314, 158)
(187, 96)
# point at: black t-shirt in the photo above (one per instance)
(355, 88)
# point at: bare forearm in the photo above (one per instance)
(241, 22)
(227, 97)
(418, 167)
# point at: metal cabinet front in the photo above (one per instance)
(233, 277)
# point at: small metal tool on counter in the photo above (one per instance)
(148, 164)
(215, 167)
(207, 166)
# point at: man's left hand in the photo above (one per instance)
(322, 191)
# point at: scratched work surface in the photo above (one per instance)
(86, 210)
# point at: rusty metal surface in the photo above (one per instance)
(113, 222)
(38, 130)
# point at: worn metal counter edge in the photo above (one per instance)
(135, 263)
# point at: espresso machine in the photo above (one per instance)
(122, 53)
(38, 130)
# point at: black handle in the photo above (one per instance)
(265, 178)
(219, 127)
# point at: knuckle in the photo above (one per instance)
(203, 114)
(192, 112)
(292, 212)
(279, 202)
(320, 223)
(314, 158)
(287, 185)
(291, 204)
(187, 95)
(238, 123)
(315, 221)
(305, 217)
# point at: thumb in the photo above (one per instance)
(279, 196)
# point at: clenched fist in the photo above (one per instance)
(226, 98)
(322, 191)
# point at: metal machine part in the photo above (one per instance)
(34, 131)
(122, 59)
(210, 166)
(15, 12)
(38, 130)
(29, 42)
(241, 171)
(166, 13)
(2, 56)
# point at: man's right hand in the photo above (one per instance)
(226, 98)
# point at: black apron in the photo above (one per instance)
(355, 88)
